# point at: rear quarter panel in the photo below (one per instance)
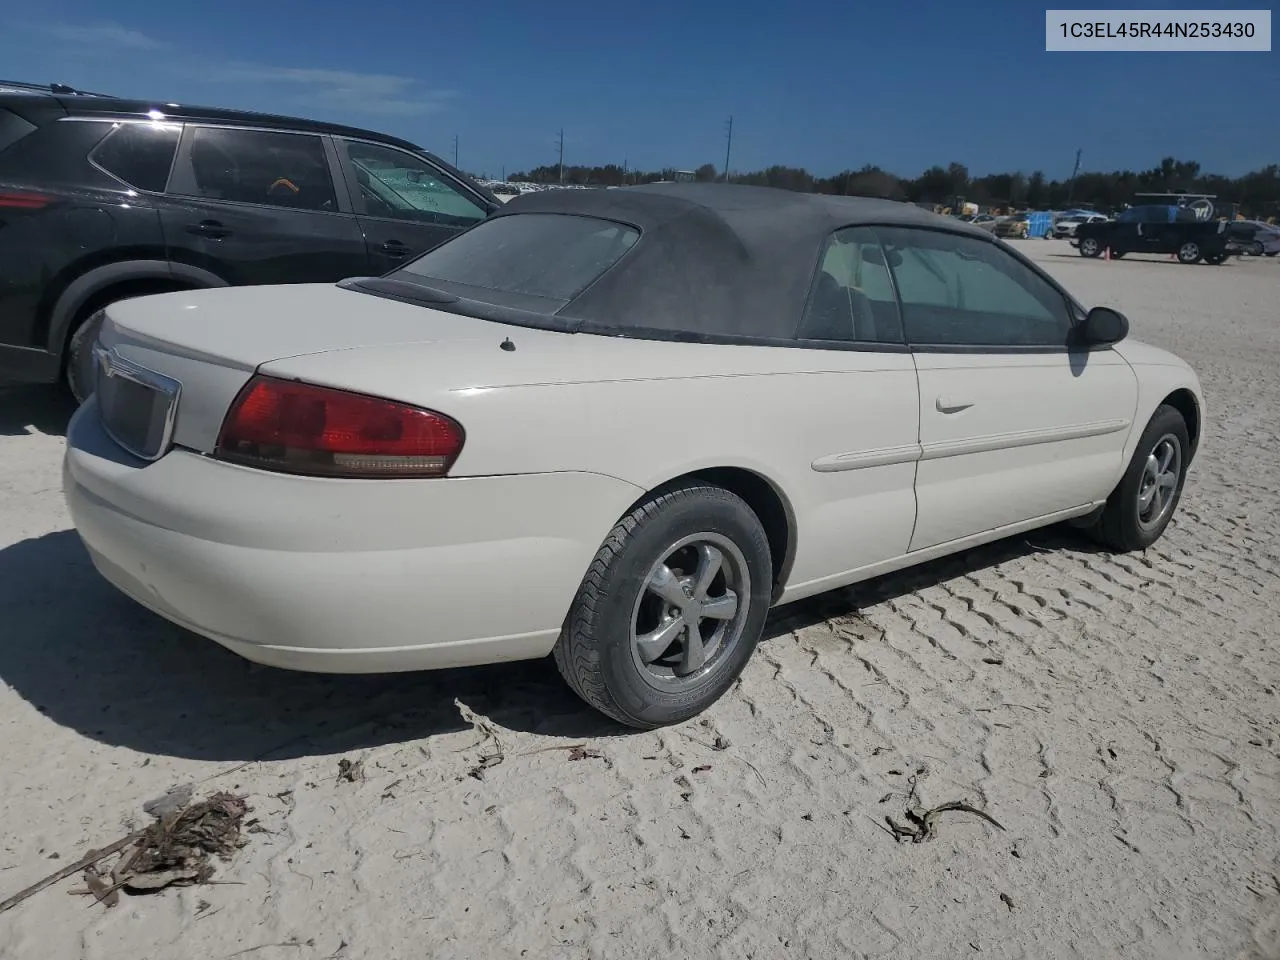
(91, 220)
(647, 412)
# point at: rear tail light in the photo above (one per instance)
(23, 201)
(298, 428)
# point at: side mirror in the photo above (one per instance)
(1102, 325)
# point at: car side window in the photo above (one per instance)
(396, 184)
(262, 167)
(139, 154)
(958, 290)
(852, 297)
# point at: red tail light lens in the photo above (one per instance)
(318, 431)
(24, 201)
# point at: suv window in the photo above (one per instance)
(852, 296)
(542, 260)
(12, 129)
(257, 166)
(961, 290)
(396, 184)
(140, 154)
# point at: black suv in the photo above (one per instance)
(103, 199)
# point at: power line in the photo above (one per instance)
(1071, 184)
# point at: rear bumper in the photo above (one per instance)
(340, 576)
(27, 365)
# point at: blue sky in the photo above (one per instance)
(830, 85)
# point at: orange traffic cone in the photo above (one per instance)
(1106, 253)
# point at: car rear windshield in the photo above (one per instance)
(531, 261)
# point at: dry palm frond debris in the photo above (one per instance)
(175, 850)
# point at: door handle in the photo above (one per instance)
(209, 228)
(395, 249)
(951, 404)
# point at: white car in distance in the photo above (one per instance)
(613, 426)
(1064, 228)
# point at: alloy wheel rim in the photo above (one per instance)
(1089, 245)
(691, 610)
(1189, 251)
(1158, 485)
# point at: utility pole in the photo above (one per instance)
(562, 154)
(728, 146)
(455, 149)
(1071, 184)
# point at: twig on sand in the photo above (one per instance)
(709, 746)
(921, 825)
(266, 946)
(487, 732)
(88, 860)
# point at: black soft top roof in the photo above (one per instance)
(716, 260)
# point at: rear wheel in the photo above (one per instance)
(1144, 501)
(671, 608)
(1090, 247)
(1189, 252)
(79, 373)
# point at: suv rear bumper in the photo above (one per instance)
(27, 365)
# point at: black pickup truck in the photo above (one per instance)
(1157, 229)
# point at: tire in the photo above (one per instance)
(1215, 259)
(1255, 249)
(1189, 252)
(598, 652)
(1117, 254)
(1272, 253)
(1125, 525)
(1090, 247)
(79, 374)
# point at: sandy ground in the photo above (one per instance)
(1129, 743)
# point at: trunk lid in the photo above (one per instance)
(244, 327)
(206, 344)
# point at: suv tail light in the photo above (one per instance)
(23, 201)
(298, 428)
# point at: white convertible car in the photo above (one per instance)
(616, 426)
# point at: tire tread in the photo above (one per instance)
(1112, 529)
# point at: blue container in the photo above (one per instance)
(1041, 223)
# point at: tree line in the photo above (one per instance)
(1256, 193)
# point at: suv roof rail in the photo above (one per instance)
(61, 89)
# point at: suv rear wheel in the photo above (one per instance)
(79, 373)
(1189, 252)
